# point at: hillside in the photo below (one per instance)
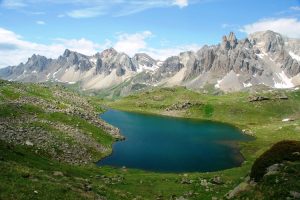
(51, 136)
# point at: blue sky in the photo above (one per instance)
(158, 27)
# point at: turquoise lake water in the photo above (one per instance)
(166, 144)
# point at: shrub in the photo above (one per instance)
(282, 151)
(208, 110)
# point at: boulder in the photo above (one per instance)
(232, 194)
(58, 173)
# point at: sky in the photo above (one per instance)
(160, 28)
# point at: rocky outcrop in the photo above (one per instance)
(182, 106)
(258, 98)
(51, 125)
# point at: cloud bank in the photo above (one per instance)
(286, 26)
(14, 49)
(94, 8)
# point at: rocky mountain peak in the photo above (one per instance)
(262, 58)
(225, 43)
(37, 63)
(67, 53)
(36, 57)
(143, 58)
(229, 42)
(232, 40)
(268, 40)
(108, 53)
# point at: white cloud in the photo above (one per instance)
(163, 53)
(132, 43)
(87, 12)
(181, 3)
(137, 43)
(286, 26)
(94, 8)
(297, 8)
(13, 4)
(14, 49)
(40, 22)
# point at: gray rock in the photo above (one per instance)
(262, 58)
(295, 195)
(217, 180)
(28, 143)
(58, 173)
(273, 169)
(237, 190)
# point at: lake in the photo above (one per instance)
(167, 144)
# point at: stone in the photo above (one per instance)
(237, 190)
(258, 98)
(186, 181)
(28, 143)
(87, 187)
(58, 173)
(273, 169)
(295, 195)
(204, 183)
(287, 120)
(217, 180)
(296, 153)
(248, 132)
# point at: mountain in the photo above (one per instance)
(265, 58)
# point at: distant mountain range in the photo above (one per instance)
(263, 58)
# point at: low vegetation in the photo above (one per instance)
(41, 124)
(282, 151)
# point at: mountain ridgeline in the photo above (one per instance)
(266, 58)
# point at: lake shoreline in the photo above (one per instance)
(235, 148)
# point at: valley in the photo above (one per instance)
(149, 100)
(35, 173)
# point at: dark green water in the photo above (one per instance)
(168, 144)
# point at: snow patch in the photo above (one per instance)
(287, 120)
(93, 60)
(260, 55)
(294, 56)
(54, 74)
(72, 82)
(247, 85)
(160, 63)
(142, 68)
(218, 84)
(285, 82)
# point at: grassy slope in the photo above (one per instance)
(22, 171)
(28, 174)
(263, 118)
(16, 91)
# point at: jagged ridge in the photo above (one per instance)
(263, 58)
